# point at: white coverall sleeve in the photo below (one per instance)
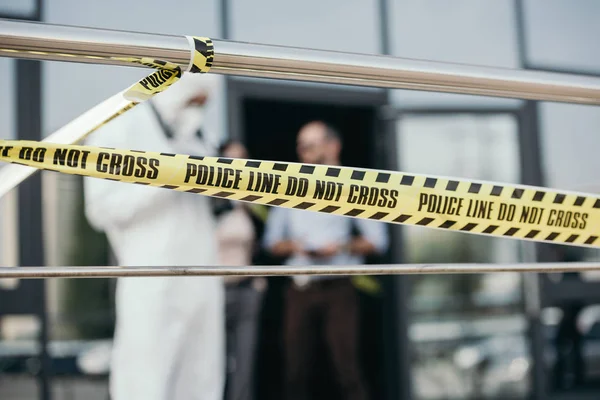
(109, 203)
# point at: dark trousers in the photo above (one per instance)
(328, 309)
(243, 304)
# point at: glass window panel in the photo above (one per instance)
(18, 8)
(560, 34)
(468, 330)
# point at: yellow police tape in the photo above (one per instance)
(201, 59)
(201, 55)
(522, 212)
(515, 211)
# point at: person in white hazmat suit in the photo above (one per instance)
(169, 335)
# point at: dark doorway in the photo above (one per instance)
(269, 130)
(271, 127)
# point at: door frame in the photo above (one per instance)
(239, 89)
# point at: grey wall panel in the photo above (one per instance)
(342, 25)
(7, 100)
(70, 89)
(460, 31)
(563, 34)
(570, 143)
(7, 131)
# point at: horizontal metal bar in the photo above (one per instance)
(76, 44)
(380, 269)
(88, 45)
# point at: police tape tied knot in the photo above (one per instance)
(477, 207)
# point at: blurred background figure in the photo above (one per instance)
(169, 335)
(239, 229)
(322, 306)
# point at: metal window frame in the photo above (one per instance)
(30, 295)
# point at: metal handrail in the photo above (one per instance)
(257, 270)
(101, 46)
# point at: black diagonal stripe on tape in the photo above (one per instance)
(204, 48)
(304, 205)
(452, 186)
(532, 233)
(251, 198)
(224, 160)
(579, 201)
(468, 227)
(517, 193)
(109, 179)
(307, 169)
(591, 240)
(491, 229)
(358, 175)
(407, 180)
(378, 215)
(329, 209)
(169, 186)
(430, 182)
(475, 188)
(253, 164)
(277, 202)
(111, 148)
(137, 151)
(559, 199)
(142, 183)
(572, 238)
(199, 158)
(511, 232)
(223, 194)
(425, 221)
(354, 212)
(538, 196)
(448, 224)
(597, 204)
(383, 177)
(552, 236)
(196, 190)
(194, 69)
(335, 172)
(497, 190)
(168, 154)
(280, 167)
(402, 218)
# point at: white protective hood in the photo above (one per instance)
(171, 105)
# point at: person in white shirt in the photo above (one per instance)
(329, 303)
(169, 335)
